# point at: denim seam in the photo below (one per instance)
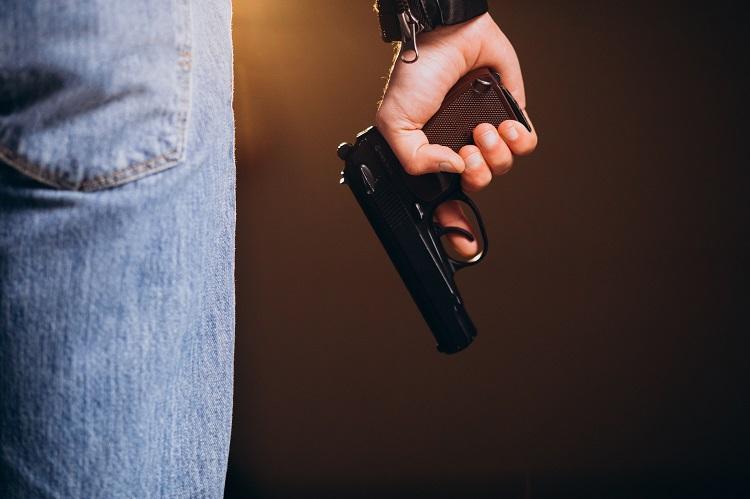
(115, 178)
(134, 171)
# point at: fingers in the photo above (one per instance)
(450, 214)
(418, 156)
(477, 174)
(496, 152)
(519, 140)
(499, 145)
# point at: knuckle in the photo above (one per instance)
(468, 150)
(474, 162)
(502, 163)
(484, 179)
(490, 143)
(482, 129)
(412, 168)
(507, 126)
(527, 147)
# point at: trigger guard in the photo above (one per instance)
(442, 231)
(457, 265)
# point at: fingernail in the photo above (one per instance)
(509, 132)
(474, 161)
(444, 166)
(489, 139)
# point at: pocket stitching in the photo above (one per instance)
(132, 171)
(117, 177)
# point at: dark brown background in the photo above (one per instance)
(612, 307)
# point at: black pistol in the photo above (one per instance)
(401, 207)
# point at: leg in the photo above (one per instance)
(117, 305)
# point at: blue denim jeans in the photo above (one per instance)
(117, 216)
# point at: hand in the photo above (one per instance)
(415, 91)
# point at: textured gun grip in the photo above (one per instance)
(478, 97)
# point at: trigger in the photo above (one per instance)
(441, 231)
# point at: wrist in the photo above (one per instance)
(404, 19)
(428, 14)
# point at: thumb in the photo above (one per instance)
(417, 155)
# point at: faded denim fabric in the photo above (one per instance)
(117, 216)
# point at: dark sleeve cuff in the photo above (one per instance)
(430, 14)
(458, 11)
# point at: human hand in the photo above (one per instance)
(415, 92)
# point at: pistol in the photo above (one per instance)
(401, 207)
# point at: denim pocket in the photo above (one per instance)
(94, 94)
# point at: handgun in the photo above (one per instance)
(401, 207)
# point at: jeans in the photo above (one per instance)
(117, 217)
